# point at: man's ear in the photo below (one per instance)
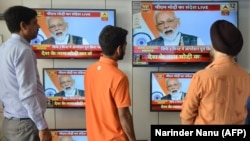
(22, 25)
(118, 50)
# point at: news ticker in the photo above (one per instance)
(215, 132)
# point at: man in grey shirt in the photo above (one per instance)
(22, 94)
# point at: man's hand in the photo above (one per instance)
(45, 135)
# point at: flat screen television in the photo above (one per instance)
(168, 89)
(69, 134)
(176, 32)
(64, 87)
(70, 33)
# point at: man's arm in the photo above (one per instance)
(191, 102)
(127, 122)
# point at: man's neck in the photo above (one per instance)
(110, 57)
(218, 55)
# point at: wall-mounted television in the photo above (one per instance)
(64, 87)
(168, 89)
(176, 32)
(69, 134)
(70, 33)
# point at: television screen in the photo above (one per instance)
(69, 135)
(168, 89)
(170, 32)
(70, 33)
(64, 87)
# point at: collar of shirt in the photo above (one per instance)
(108, 61)
(71, 94)
(18, 37)
(176, 96)
(174, 42)
(64, 42)
(221, 60)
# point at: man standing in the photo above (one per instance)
(22, 94)
(219, 93)
(107, 91)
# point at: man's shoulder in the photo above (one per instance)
(78, 40)
(188, 35)
(76, 37)
(50, 40)
(183, 93)
(80, 92)
(61, 93)
(166, 97)
(156, 41)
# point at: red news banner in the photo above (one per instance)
(189, 7)
(168, 105)
(67, 51)
(57, 134)
(68, 102)
(71, 133)
(173, 53)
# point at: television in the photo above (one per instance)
(70, 33)
(64, 87)
(168, 89)
(176, 32)
(69, 134)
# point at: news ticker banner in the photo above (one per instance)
(79, 135)
(149, 54)
(66, 51)
(66, 102)
(214, 132)
(166, 105)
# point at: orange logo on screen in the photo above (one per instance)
(145, 7)
(52, 72)
(225, 10)
(159, 76)
(104, 16)
(39, 13)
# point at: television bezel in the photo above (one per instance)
(169, 63)
(62, 107)
(151, 93)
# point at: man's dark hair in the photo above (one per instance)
(110, 38)
(16, 14)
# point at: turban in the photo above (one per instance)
(226, 38)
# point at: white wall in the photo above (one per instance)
(138, 76)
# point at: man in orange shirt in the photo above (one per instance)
(107, 91)
(218, 94)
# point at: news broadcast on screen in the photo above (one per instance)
(70, 33)
(166, 32)
(64, 87)
(168, 89)
(69, 135)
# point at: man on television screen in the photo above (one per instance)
(59, 33)
(68, 87)
(168, 25)
(174, 86)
